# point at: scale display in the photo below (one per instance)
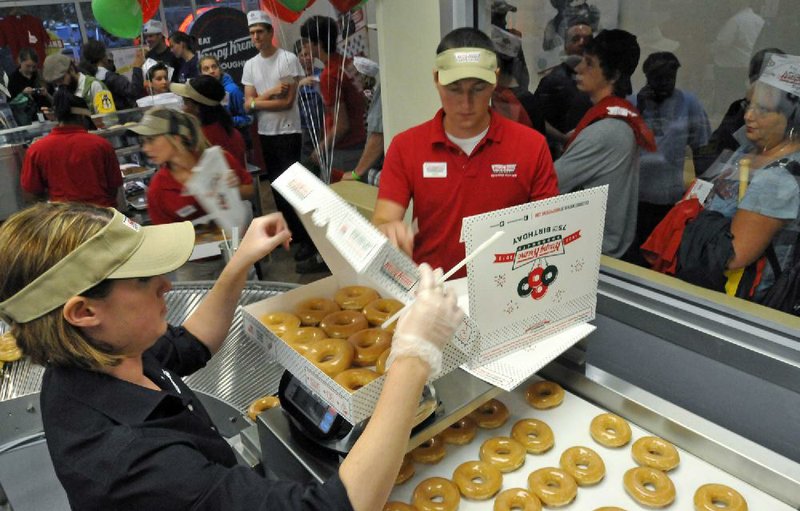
(305, 407)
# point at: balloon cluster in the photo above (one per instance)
(291, 10)
(123, 18)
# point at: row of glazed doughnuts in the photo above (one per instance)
(340, 336)
(553, 487)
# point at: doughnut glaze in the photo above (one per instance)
(651, 451)
(544, 394)
(649, 487)
(535, 435)
(477, 480)
(610, 430)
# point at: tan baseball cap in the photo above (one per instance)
(123, 249)
(55, 67)
(164, 121)
(459, 63)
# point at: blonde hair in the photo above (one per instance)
(37, 238)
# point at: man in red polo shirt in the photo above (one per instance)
(467, 160)
(344, 135)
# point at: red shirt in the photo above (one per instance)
(167, 202)
(343, 87)
(71, 164)
(24, 31)
(232, 143)
(510, 166)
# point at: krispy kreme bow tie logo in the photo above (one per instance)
(530, 252)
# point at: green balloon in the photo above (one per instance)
(122, 18)
(295, 5)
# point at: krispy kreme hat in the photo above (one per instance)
(459, 63)
(122, 249)
(153, 27)
(256, 17)
(206, 90)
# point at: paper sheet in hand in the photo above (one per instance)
(209, 186)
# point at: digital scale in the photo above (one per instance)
(313, 419)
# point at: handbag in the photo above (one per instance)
(784, 295)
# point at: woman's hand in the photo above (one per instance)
(231, 179)
(429, 323)
(265, 234)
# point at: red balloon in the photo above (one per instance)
(149, 8)
(282, 12)
(346, 5)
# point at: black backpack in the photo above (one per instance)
(784, 295)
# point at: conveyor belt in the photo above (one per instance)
(570, 424)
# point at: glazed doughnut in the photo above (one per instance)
(713, 497)
(406, 470)
(354, 379)
(436, 494)
(430, 451)
(332, 356)
(369, 343)
(544, 394)
(300, 339)
(651, 451)
(378, 311)
(535, 435)
(261, 404)
(9, 350)
(380, 364)
(477, 480)
(503, 452)
(355, 297)
(649, 486)
(518, 499)
(553, 486)
(343, 324)
(490, 415)
(398, 506)
(460, 432)
(609, 508)
(584, 465)
(280, 322)
(610, 430)
(312, 311)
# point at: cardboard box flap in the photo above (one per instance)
(541, 277)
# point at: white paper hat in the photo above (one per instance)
(366, 66)
(256, 17)
(153, 27)
(782, 72)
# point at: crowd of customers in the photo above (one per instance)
(323, 108)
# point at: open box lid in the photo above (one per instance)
(534, 291)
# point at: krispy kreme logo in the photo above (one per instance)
(530, 252)
(790, 77)
(468, 57)
(398, 275)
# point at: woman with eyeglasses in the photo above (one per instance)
(759, 193)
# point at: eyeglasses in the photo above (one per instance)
(757, 109)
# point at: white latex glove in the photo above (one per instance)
(429, 323)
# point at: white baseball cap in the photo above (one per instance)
(153, 27)
(366, 66)
(256, 17)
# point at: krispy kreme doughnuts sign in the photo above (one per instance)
(223, 32)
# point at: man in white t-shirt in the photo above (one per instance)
(270, 94)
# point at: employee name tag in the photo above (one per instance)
(434, 169)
